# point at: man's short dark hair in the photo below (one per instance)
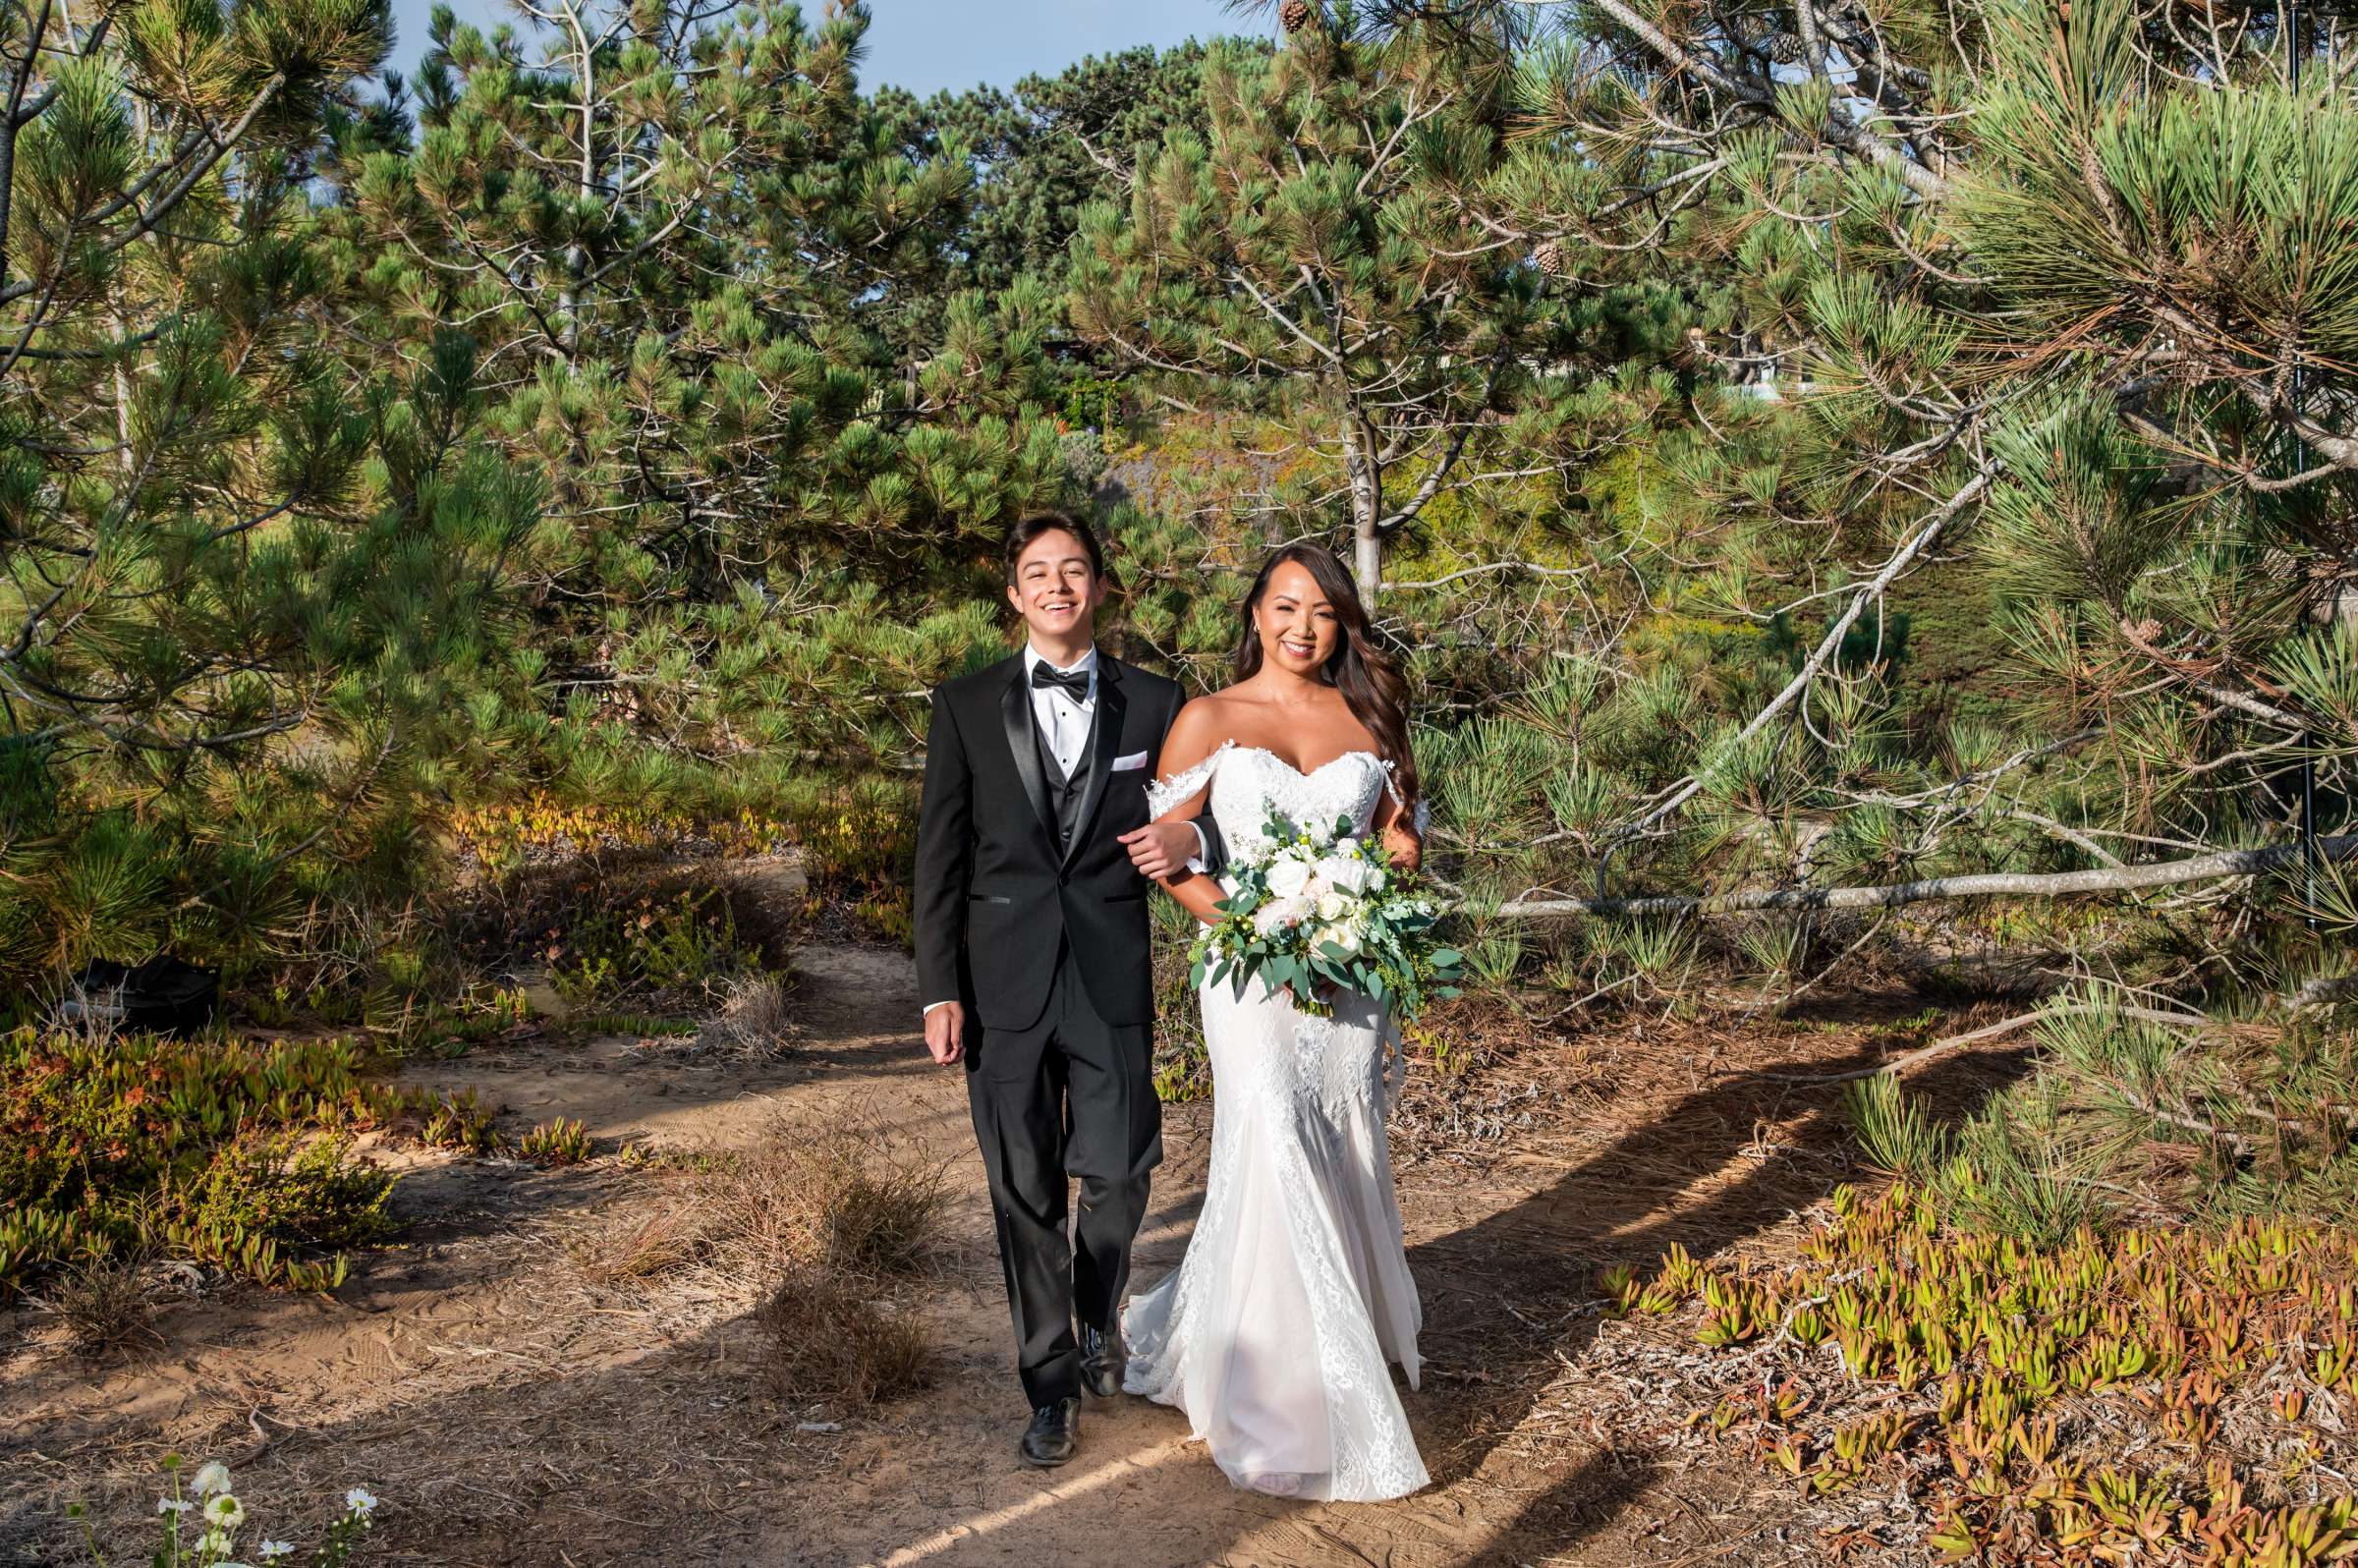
(1025, 530)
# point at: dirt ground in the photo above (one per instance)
(509, 1410)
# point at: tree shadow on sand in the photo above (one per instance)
(1510, 1299)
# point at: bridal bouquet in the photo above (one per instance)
(1316, 905)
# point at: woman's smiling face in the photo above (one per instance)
(1056, 588)
(1299, 630)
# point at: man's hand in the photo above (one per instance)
(945, 1032)
(1162, 849)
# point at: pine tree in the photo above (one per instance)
(227, 642)
(706, 281)
(2058, 296)
(2060, 334)
(1045, 149)
(1310, 255)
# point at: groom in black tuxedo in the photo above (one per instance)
(1032, 849)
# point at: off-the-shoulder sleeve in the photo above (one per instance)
(1163, 794)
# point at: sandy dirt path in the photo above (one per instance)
(510, 1413)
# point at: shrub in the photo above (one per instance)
(231, 1152)
(859, 847)
(103, 1306)
(271, 1190)
(2135, 1108)
(652, 946)
(757, 1018)
(828, 1342)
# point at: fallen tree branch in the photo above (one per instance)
(1981, 885)
(2325, 991)
(1867, 594)
(1942, 1048)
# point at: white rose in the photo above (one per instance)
(1288, 877)
(1345, 934)
(1332, 905)
(1351, 876)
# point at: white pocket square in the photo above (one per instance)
(1125, 764)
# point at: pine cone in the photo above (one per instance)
(1295, 15)
(1550, 257)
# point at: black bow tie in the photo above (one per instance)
(1073, 681)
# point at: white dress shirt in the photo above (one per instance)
(1063, 718)
(1064, 722)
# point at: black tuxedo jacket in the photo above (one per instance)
(994, 893)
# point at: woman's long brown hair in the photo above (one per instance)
(1371, 683)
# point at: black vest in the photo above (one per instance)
(1063, 793)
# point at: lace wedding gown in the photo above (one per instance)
(1274, 1331)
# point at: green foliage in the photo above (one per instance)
(2073, 1401)
(648, 947)
(1303, 254)
(234, 1153)
(1044, 150)
(556, 1143)
(2128, 1109)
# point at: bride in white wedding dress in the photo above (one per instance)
(1274, 1333)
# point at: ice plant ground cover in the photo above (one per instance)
(1317, 906)
(2143, 1395)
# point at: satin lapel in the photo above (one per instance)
(1015, 708)
(1107, 745)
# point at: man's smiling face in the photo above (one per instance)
(1057, 590)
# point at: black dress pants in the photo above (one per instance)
(1070, 1097)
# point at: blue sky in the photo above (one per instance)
(928, 44)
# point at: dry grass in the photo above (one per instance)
(828, 1343)
(823, 1222)
(756, 1019)
(103, 1307)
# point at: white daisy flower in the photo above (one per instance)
(225, 1512)
(359, 1500)
(173, 1505)
(272, 1550)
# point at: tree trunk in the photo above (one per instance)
(1367, 507)
(1367, 560)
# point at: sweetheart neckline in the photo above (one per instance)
(1311, 773)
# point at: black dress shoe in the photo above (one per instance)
(1054, 1432)
(1103, 1359)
